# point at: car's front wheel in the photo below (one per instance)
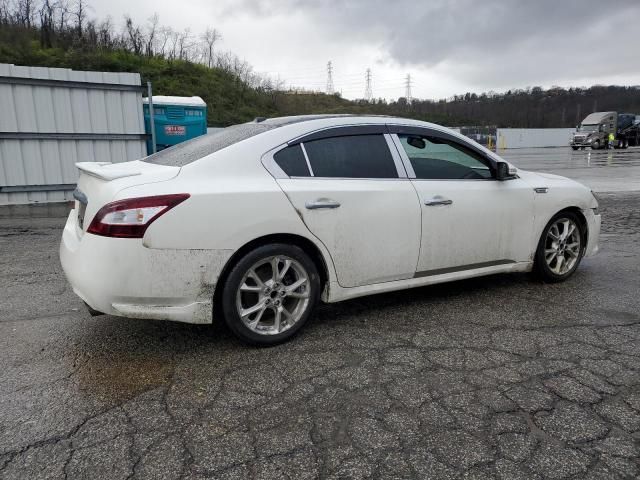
(270, 294)
(560, 248)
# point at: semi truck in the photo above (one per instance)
(595, 129)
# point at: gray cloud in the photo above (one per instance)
(491, 43)
(449, 46)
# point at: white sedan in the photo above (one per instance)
(259, 222)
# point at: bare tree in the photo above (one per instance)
(184, 44)
(164, 36)
(63, 11)
(47, 27)
(105, 33)
(5, 12)
(25, 12)
(173, 40)
(134, 35)
(152, 29)
(80, 14)
(210, 37)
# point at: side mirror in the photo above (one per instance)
(417, 142)
(504, 171)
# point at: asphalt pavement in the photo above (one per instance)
(495, 377)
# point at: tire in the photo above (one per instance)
(595, 145)
(279, 309)
(573, 147)
(547, 265)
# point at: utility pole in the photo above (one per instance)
(330, 88)
(367, 89)
(578, 117)
(407, 89)
(151, 119)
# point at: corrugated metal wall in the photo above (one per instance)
(51, 118)
(533, 137)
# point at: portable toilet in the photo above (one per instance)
(176, 119)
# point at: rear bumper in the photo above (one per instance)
(122, 277)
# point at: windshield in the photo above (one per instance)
(588, 128)
(186, 152)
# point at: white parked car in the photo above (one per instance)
(260, 221)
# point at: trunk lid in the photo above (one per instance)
(99, 182)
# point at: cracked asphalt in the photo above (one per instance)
(497, 377)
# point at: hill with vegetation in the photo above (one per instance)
(59, 34)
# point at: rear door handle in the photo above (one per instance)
(322, 203)
(437, 200)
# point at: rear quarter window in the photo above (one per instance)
(199, 147)
(292, 162)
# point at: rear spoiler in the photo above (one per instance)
(102, 171)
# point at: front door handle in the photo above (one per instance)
(322, 203)
(437, 200)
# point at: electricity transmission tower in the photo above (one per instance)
(330, 88)
(367, 89)
(407, 89)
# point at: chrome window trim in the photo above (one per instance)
(402, 171)
(403, 156)
(346, 127)
(386, 179)
(306, 157)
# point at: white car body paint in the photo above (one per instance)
(382, 238)
(375, 234)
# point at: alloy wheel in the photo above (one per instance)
(273, 295)
(562, 246)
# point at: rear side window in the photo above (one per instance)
(292, 162)
(186, 152)
(353, 156)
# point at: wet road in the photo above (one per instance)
(601, 170)
(498, 377)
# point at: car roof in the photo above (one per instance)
(330, 118)
(276, 131)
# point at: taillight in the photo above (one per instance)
(130, 218)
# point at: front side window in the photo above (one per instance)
(351, 156)
(434, 158)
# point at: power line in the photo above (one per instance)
(407, 89)
(330, 89)
(367, 89)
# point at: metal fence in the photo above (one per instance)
(533, 137)
(51, 118)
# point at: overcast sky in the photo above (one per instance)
(448, 46)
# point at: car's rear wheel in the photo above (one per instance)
(270, 294)
(560, 248)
